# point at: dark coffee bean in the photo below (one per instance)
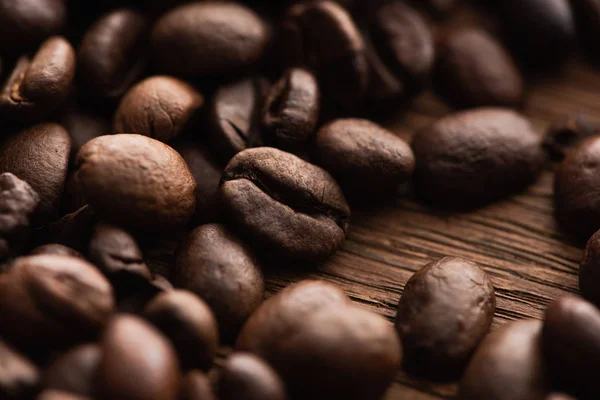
(38, 85)
(576, 189)
(473, 69)
(160, 107)
(566, 133)
(507, 366)
(292, 110)
(39, 155)
(247, 377)
(137, 363)
(571, 341)
(323, 37)
(111, 55)
(589, 270)
(306, 331)
(190, 325)
(363, 157)
(209, 39)
(19, 378)
(285, 204)
(59, 395)
(75, 370)
(221, 270)
(25, 23)
(137, 182)
(471, 158)
(56, 250)
(53, 300)
(445, 311)
(73, 230)
(84, 125)
(18, 201)
(196, 386)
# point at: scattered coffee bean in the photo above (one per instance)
(56, 250)
(74, 371)
(19, 378)
(247, 377)
(25, 23)
(288, 332)
(196, 386)
(58, 395)
(566, 133)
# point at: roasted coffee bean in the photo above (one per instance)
(323, 37)
(445, 311)
(285, 204)
(363, 157)
(25, 23)
(51, 301)
(214, 264)
(577, 190)
(37, 86)
(39, 155)
(209, 39)
(507, 366)
(589, 270)
(160, 107)
(473, 69)
(56, 250)
(471, 158)
(190, 325)
(19, 378)
(18, 201)
(247, 377)
(571, 345)
(137, 182)
(564, 134)
(196, 386)
(292, 110)
(74, 371)
(84, 125)
(137, 363)
(112, 54)
(59, 395)
(304, 332)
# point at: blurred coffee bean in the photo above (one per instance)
(285, 204)
(55, 249)
(19, 378)
(564, 134)
(247, 377)
(74, 371)
(59, 395)
(196, 386)
(589, 270)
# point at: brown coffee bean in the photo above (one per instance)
(160, 107)
(507, 366)
(19, 378)
(444, 313)
(25, 23)
(589, 270)
(74, 371)
(59, 395)
(214, 264)
(209, 39)
(247, 377)
(321, 345)
(137, 363)
(285, 204)
(473, 69)
(471, 158)
(362, 156)
(137, 182)
(39, 155)
(56, 250)
(52, 300)
(190, 325)
(196, 386)
(112, 54)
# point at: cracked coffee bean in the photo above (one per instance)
(563, 135)
(19, 377)
(196, 386)
(285, 204)
(75, 370)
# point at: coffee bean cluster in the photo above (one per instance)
(159, 158)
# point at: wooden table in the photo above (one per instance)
(516, 241)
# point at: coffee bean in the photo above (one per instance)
(565, 133)
(209, 39)
(444, 313)
(473, 69)
(214, 264)
(53, 300)
(363, 157)
(160, 107)
(190, 325)
(39, 155)
(136, 182)
(84, 125)
(285, 204)
(292, 110)
(471, 158)
(137, 363)
(134, 292)
(58, 395)
(196, 386)
(572, 345)
(56, 250)
(507, 366)
(19, 378)
(38, 85)
(247, 377)
(589, 270)
(112, 54)
(74, 371)
(305, 332)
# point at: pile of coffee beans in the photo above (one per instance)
(158, 158)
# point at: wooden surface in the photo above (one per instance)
(516, 241)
